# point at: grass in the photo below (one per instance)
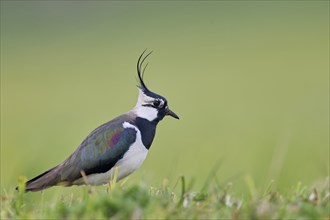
(137, 201)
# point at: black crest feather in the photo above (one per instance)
(140, 71)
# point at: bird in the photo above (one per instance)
(121, 143)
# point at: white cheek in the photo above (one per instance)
(146, 112)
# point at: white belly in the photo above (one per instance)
(130, 162)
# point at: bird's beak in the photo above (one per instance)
(169, 112)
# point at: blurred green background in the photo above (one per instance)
(250, 81)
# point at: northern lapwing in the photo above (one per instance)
(123, 142)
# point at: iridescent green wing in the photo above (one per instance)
(100, 151)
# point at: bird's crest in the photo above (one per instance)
(140, 71)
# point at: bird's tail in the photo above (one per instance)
(43, 181)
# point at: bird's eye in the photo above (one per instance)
(156, 103)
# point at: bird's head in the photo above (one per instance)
(150, 105)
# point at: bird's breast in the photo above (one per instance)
(147, 130)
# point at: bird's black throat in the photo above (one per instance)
(147, 129)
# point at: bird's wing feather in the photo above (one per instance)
(99, 152)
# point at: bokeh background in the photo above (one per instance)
(250, 81)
